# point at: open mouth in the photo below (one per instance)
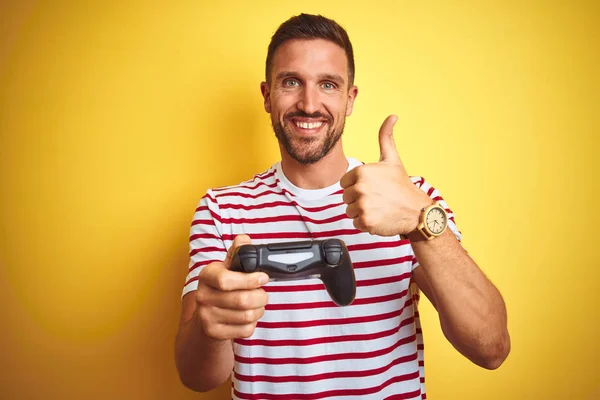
(307, 126)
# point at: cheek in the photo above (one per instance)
(283, 101)
(336, 108)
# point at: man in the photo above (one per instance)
(288, 340)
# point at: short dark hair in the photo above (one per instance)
(307, 27)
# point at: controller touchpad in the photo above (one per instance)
(291, 258)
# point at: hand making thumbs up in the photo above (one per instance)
(381, 198)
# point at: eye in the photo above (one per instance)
(328, 86)
(291, 83)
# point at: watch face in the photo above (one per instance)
(436, 221)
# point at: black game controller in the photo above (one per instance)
(327, 260)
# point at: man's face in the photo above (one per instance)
(309, 97)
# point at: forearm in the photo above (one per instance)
(203, 363)
(472, 311)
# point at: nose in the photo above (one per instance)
(309, 99)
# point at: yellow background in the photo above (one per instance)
(115, 117)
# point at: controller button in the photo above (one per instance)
(333, 252)
(248, 258)
(292, 268)
(248, 263)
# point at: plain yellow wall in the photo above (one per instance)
(116, 116)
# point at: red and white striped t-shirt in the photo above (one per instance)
(305, 346)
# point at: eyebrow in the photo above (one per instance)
(327, 77)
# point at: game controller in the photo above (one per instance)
(327, 260)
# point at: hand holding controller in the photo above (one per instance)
(327, 260)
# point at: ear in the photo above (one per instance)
(264, 89)
(352, 93)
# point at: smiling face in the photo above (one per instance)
(309, 97)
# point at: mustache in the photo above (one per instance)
(314, 115)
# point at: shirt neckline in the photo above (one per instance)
(311, 194)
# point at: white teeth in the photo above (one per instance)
(309, 125)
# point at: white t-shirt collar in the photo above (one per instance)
(311, 194)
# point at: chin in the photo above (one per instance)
(309, 157)
(306, 159)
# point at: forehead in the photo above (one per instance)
(310, 58)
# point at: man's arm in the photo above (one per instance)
(471, 310)
(203, 363)
(382, 200)
(225, 306)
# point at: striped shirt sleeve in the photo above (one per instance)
(205, 242)
(432, 192)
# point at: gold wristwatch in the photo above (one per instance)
(433, 221)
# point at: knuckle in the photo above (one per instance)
(243, 300)
(369, 226)
(346, 196)
(208, 272)
(265, 298)
(365, 223)
(211, 330)
(360, 171)
(204, 316)
(360, 187)
(223, 282)
(247, 330)
(362, 204)
(249, 316)
(204, 272)
(350, 211)
(201, 296)
(372, 228)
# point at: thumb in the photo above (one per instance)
(387, 145)
(238, 241)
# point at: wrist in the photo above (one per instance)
(432, 221)
(420, 206)
(412, 232)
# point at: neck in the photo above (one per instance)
(321, 174)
